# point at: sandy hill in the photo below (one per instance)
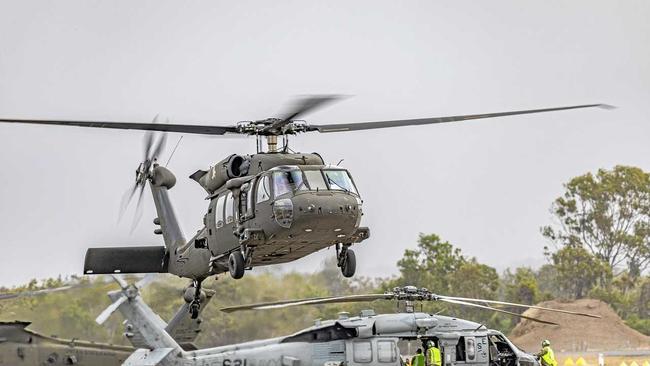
(577, 333)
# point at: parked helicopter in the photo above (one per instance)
(22, 346)
(370, 338)
(271, 207)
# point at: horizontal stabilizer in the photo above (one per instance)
(198, 175)
(125, 260)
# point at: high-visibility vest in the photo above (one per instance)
(433, 354)
(418, 360)
(548, 358)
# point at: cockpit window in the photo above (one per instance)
(263, 190)
(315, 180)
(287, 181)
(339, 180)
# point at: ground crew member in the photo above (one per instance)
(418, 359)
(433, 355)
(546, 355)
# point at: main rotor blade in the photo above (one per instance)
(521, 306)
(465, 303)
(310, 301)
(300, 108)
(196, 129)
(110, 310)
(425, 121)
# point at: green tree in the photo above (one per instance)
(430, 265)
(609, 214)
(521, 286)
(578, 271)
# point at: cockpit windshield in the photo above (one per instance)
(339, 179)
(288, 181)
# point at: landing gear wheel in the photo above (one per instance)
(195, 306)
(349, 265)
(236, 264)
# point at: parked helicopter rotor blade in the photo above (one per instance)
(110, 310)
(144, 282)
(521, 306)
(120, 281)
(310, 301)
(342, 127)
(182, 128)
(470, 304)
(7, 296)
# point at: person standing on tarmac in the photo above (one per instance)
(433, 354)
(546, 355)
(418, 359)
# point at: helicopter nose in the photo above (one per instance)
(333, 213)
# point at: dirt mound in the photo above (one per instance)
(577, 333)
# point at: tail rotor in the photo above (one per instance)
(154, 144)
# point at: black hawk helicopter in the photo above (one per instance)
(271, 207)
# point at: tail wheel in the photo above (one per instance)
(349, 264)
(236, 264)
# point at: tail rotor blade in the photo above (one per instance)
(138, 209)
(160, 145)
(126, 198)
(110, 310)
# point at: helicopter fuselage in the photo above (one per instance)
(291, 206)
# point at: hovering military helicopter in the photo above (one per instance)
(370, 338)
(271, 207)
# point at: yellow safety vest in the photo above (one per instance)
(418, 360)
(549, 357)
(434, 356)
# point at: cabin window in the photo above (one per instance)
(287, 181)
(219, 215)
(315, 180)
(339, 180)
(263, 191)
(230, 209)
(386, 351)
(362, 352)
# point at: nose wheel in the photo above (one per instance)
(346, 260)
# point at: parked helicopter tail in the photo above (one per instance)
(160, 347)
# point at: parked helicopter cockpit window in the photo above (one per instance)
(230, 209)
(315, 180)
(362, 351)
(288, 181)
(263, 191)
(386, 351)
(340, 180)
(219, 215)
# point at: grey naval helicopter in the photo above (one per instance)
(271, 207)
(20, 346)
(366, 339)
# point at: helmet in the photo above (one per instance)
(430, 344)
(546, 343)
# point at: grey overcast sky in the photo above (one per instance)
(485, 185)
